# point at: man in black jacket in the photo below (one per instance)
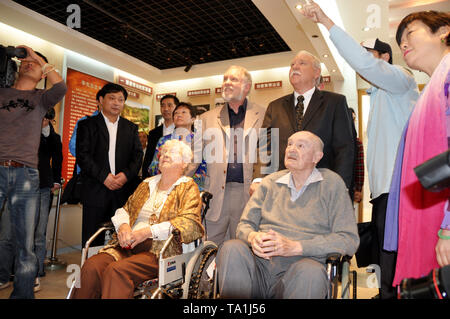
(308, 109)
(109, 154)
(49, 166)
(167, 104)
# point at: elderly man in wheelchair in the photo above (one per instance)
(294, 219)
(160, 204)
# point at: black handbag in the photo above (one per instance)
(366, 255)
(72, 191)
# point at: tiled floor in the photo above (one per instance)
(54, 284)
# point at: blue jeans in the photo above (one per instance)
(6, 245)
(40, 234)
(19, 190)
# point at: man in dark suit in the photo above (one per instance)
(320, 112)
(167, 106)
(110, 155)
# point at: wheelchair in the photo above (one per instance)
(338, 271)
(190, 275)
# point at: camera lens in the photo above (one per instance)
(16, 52)
(20, 53)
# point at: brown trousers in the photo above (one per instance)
(103, 277)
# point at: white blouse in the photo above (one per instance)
(160, 231)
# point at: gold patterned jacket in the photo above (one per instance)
(182, 209)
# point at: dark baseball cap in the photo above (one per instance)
(377, 45)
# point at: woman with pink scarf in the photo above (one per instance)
(418, 221)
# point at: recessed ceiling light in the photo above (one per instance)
(298, 7)
(334, 70)
(325, 55)
(366, 29)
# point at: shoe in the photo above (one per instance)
(37, 285)
(4, 285)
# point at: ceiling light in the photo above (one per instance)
(334, 70)
(298, 7)
(366, 29)
(325, 55)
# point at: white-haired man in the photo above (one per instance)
(226, 130)
(292, 221)
(307, 108)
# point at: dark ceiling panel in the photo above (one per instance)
(172, 33)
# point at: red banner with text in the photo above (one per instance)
(79, 102)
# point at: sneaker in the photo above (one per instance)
(37, 285)
(4, 285)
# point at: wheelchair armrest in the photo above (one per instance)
(108, 225)
(206, 196)
(333, 258)
(176, 232)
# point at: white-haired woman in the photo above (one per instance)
(160, 204)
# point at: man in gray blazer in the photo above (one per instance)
(229, 136)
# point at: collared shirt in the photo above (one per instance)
(307, 95)
(235, 171)
(112, 130)
(288, 180)
(392, 98)
(168, 129)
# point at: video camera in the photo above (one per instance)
(434, 286)
(8, 67)
(434, 175)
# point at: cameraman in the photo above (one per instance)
(22, 108)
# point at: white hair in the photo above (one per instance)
(246, 75)
(183, 148)
(316, 64)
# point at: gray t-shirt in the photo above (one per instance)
(21, 114)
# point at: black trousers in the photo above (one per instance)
(94, 216)
(386, 259)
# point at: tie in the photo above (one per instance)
(299, 108)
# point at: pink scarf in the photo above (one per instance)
(421, 211)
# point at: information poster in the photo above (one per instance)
(79, 101)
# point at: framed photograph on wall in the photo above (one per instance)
(202, 108)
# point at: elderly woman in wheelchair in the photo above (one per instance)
(160, 204)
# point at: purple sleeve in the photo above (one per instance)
(446, 221)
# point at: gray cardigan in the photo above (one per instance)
(322, 218)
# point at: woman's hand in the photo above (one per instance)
(125, 236)
(443, 250)
(138, 236)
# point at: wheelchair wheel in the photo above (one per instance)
(200, 285)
